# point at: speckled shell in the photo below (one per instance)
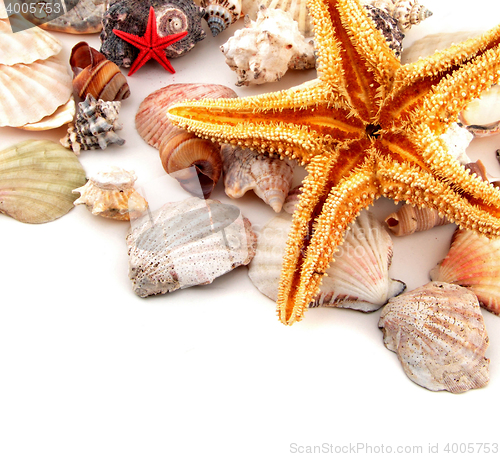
(111, 194)
(28, 93)
(357, 279)
(187, 243)
(473, 261)
(220, 14)
(196, 163)
(36, 180)
(85, 17)
(97, 76)
(94, 127)
(439, 336)
(409, 12)
(388, 26)
(270, 178)
(26, 46)
(131, 16)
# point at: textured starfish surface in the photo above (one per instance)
(366, 127)
(151, 45)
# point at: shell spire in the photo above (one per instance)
(220, 14)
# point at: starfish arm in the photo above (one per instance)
(132, 39)
(419, 80)
(301, 126)
(161, 58)
(410, 183)
(139, 61)
(307, 257)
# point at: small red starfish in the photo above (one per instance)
(150, 44)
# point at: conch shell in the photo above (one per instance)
(438, 334)
(196, 163)
(110, 193)
(270, 178)
(97, 76)
(220, 14)
(410, 219)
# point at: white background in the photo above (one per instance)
(89, 369)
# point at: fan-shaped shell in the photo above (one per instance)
(220, 14)
(110, 193)
(36, 180)
(187, 243)
(28, 93)
(357, 279)
(97, 76)
(270, 178)
(438, 334)
(27, 45)
(61, 116)
(473, 261)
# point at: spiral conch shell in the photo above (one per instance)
(110, 193)
(270, 178)
(187, 243)
(357, 279)
(97, 76)
(220, 14)
(195, 162)
(438, 334)
(473, 262)
(410, 219)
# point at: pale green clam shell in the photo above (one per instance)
(36, 181)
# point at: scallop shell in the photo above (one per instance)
(358, 278)
(439, 336)
(110, 193)
(410, 219)
(270, 178)
(196, 163)
(187, 243)
(25, 46)
(94, 127)
(85, 17)
(36, 180)
(131, 16)
(28, 93)
(220, 14)
(473, 261)
(96, 75)
(61, 116)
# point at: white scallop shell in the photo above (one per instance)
(438, 334)
(26, 46)
(61, 116)
(28, 93)
(357, 279)
(473, 261)
(3, 12)
(185, 244)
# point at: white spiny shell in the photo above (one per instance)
(270, 178)
(36, 180)
(26, 46)
(28, 93)
(61, 116)
(110, 193)
(266, 48)
(473, 261)
(357, 279)
(220, 14)
(438, 334)
(187, 243)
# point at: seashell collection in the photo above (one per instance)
(94, 127)
(110, 193)
(436, 330)
(438, 334)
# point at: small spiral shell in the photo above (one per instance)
(220, 14)
(410, 219)
(96, 75)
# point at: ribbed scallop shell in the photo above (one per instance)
(26, 46)
(270, 178)
(187, 243)
(97, 76)
(196, 163)
(438, 334)
(61, 116)
(357, 279)
(473, 261)
(36, 180)
(110, 193)
(220, 14)
(28, 93)
(85, 17)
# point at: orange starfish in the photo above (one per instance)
(150, 44)
(366, 127)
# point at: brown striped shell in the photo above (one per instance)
(96, 75)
